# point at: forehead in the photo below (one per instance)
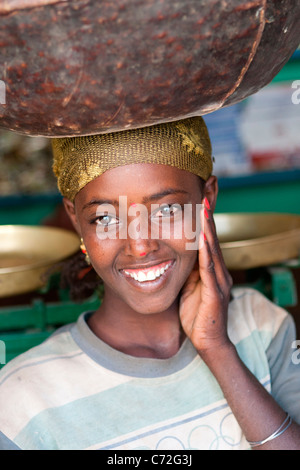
(138, 181)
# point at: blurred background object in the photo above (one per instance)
(25, 165)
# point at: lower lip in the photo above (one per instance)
(147, 286)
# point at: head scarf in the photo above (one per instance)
(183, 144)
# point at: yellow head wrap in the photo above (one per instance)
(183, 144)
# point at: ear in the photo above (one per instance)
(70, 210)
(211, 189)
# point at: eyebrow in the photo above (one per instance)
(162, 194)
(98, 202)
(145, 200)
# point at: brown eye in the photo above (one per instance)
(106, 220)
(167, 210)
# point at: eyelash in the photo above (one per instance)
(97, 220)
(176, 208)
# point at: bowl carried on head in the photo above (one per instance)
(82, 67)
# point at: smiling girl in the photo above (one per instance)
(174, 357)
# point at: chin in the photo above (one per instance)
(153, 306)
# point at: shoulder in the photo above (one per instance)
(25, 382)
(259, 329)
(57, 345)
(250, 312)
(37, 360)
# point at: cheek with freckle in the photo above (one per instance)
(101, 256)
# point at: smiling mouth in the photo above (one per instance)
(148, 274)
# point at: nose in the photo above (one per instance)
(139, 242)
(140, 247)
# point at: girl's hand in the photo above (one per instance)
(206, 293)
(203, 313)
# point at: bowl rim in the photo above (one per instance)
(275, 237)
(43, 263)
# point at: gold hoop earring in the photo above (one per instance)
(83, 249)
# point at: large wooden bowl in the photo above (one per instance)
(80, 67)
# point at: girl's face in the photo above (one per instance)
(136, 232)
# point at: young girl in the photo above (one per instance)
(174, 358)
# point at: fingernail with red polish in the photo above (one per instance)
(203, 236)
(206, 213)
(142, 254)
(206, 203)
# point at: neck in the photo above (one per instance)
(156, 335)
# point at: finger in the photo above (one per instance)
(211, 233)
(222, 274)
(206, 264)
(214, 287)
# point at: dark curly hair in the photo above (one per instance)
(79, 278)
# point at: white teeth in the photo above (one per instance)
(151, 276)
(140, 276)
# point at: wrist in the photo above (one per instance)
(217, 354)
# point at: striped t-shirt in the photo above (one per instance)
(76, 392)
